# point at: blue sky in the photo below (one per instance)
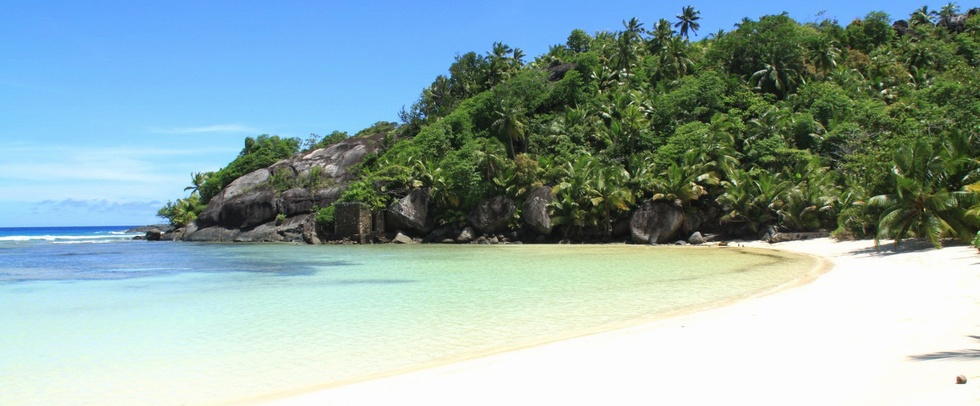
(106, 107)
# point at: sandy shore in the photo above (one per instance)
(886, 327)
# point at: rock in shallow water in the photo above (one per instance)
(402, 239)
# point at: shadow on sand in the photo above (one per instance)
(966, 354)
(909, 245)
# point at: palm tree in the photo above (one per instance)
(661, 33)
(809, 204)
(428, 175)
(627, 53)
(771, 123)
(752, 199)
(608, 189)
(719, 146)
(570, 207)
(510, 125)
(197, 181)
(949, 11)
(437, 98)
(684, 182)
(590, 192)
(776, 77)
(499, 63)
(688, 21)
(517, 60)
(924, 16)
(921, 204)
(183, 211)
(633, 29)
(673, 60)
(824, 56)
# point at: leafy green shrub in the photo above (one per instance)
(976, 241)
(183, 211)
(281, 181)
(280, 218)
(364, 191)
(325, 215)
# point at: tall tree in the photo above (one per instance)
(627, 46)
(510, 125)
(500, 63)
(924, 16)
(197, 181)
(688, 21)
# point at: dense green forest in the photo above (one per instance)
(869, 129)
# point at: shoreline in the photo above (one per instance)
(887, 326)
(818, 267)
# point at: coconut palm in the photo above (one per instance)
(608, 190)
(662, 32)
(673, 60)
(688, 21)
(589, 195)
(183, 211)
(510, 125)
(921, 205)
(751, 199)
(810, 203)
(429, 175)
(949, 11)
(771, 123)
(627, 47)
(776, 77)
(824, 56)
(197, 181)
(570, 208)
(684, 182)
(924, 16)
(500, 63)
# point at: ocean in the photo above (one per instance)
(90, 316)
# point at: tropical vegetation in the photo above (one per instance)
(868, 129)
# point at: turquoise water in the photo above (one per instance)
(131, 322)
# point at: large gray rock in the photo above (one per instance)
(535, 210)
(402, 239)
(466, 235)
(656, 222)
(492, 216)
(410, 213)
(251, 201)
(296, 229)
(250, 209)
(957, 22)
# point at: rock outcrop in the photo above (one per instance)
(247, 209)
(535, 210)
(656, 222)
(491, 216)
(410, 213)
(957, 22)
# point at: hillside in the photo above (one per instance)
(868, 129)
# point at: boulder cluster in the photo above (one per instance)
(279, 204)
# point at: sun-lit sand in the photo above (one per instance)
(883, 327)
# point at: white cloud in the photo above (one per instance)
(74, 211)
(42, 172)
(99, 206)
(218, 128)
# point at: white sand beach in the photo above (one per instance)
(882, 327)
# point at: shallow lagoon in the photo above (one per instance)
(170, 323)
